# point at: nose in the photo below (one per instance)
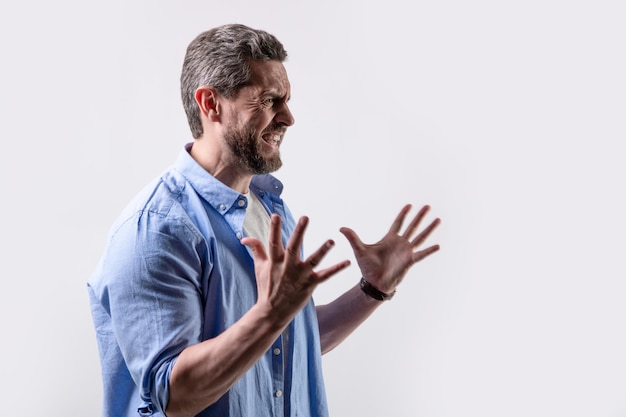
(284, 116)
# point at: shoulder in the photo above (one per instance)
(157, 206)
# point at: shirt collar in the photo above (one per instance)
(221, 197)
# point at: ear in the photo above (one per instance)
(208, 103)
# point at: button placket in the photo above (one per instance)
(279, 374)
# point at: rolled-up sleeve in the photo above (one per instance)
(153, 292)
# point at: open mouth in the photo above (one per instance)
(272, 138)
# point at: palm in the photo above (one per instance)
(386, 262)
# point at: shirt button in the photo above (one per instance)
(239, 235)
(222, 207)
(276, 351)
(241, 203)
(278, 393)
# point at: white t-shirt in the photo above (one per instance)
(257, 221)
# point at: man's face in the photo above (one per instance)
(258, 118)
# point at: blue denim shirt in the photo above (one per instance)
(174, 274)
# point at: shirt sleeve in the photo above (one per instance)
(155, 265)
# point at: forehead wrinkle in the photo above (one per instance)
(273, 81)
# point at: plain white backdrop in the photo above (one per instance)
(507, 117)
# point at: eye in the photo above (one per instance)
(268, 102)
(273, 101)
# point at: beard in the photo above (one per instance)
(247, 150)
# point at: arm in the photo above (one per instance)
(205, 371)
(384, 265)
(337, 320)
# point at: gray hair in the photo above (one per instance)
(219, 58)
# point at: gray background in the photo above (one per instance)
(506, 117)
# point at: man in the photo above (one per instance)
(202, 301)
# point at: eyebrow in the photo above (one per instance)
(273, 93)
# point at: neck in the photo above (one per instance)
(219, 164)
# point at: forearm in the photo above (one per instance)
(206, 371)
(338, 319)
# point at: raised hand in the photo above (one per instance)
(284, 280)
(385, 263)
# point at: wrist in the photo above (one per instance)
(374, 292)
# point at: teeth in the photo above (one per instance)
(274, 139)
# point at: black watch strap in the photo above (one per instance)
(374, 292)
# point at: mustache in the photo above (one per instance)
(276, 128)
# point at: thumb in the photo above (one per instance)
(352, 237)
(256, 247)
